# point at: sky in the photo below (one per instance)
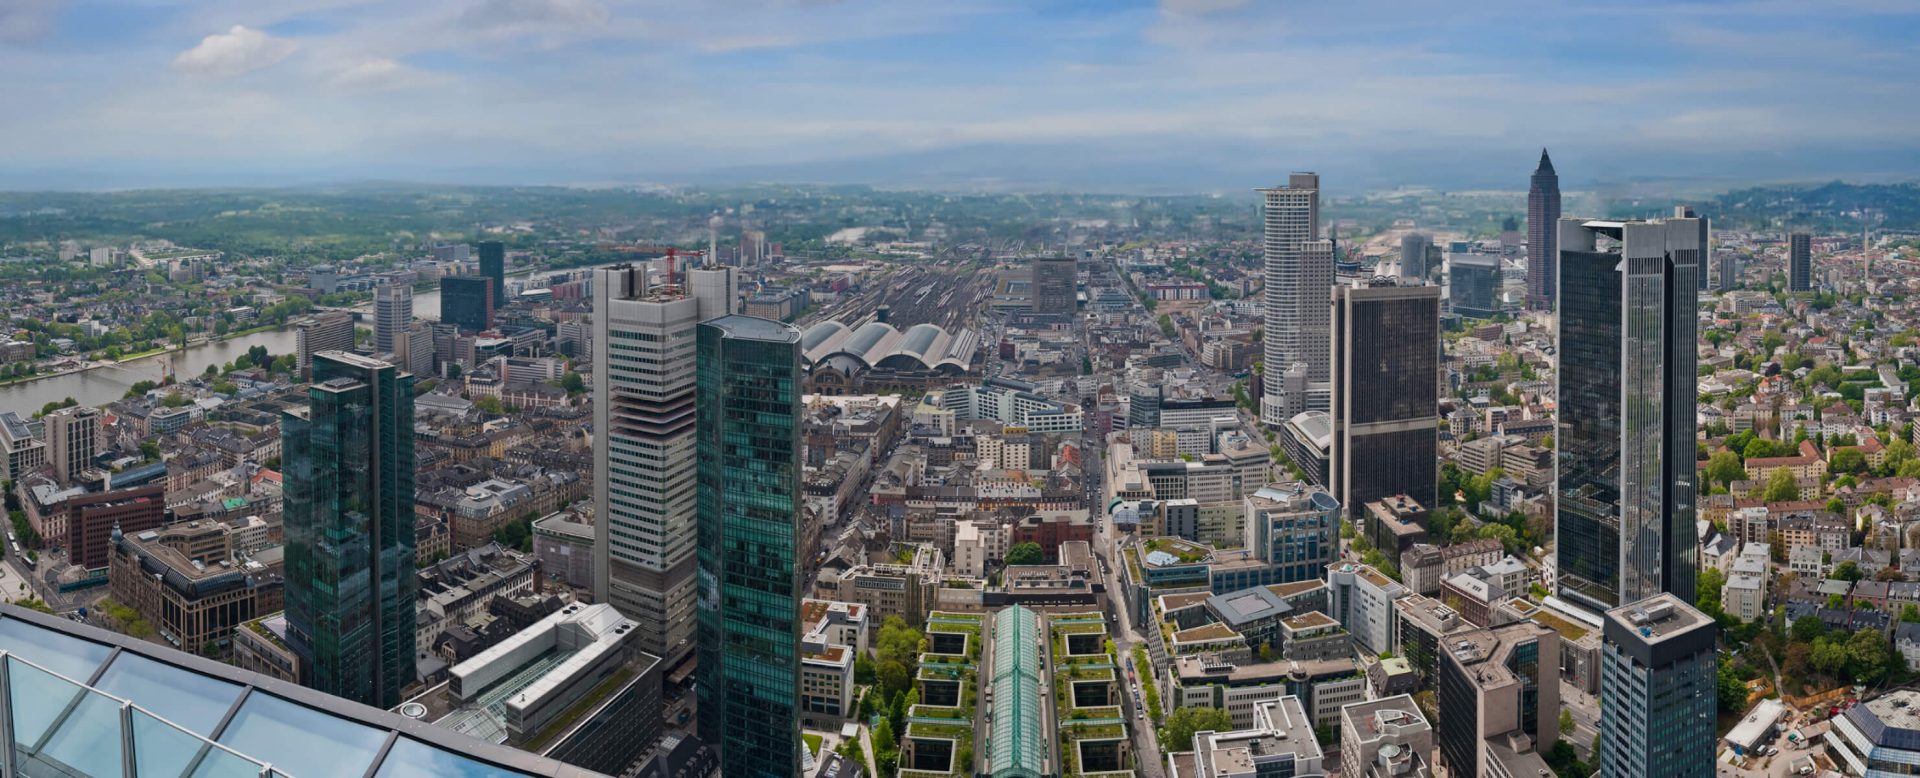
(1109, 95)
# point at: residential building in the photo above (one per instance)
(644, 413)
(1658, 680)
(348, 510)
(1627, 328)
(1499, 698)
(1744, 595)
(1055, 288)
(25, 453)
(1543, 220)
(1385, 394)
(1385, 738)
(1299, 273)
(748, 430)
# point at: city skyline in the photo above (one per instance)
(973, 94)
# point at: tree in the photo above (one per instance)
(1566, 721)
(1707, 590)
(1025, 554)
(1910, 614)
(1781, 486)
(489, 405)
(573, 383)
(1848, 571)
(1184, 723)
(1867, 654)
(1729, 688)
(864, 671)
(1724, 468)
(453, 369)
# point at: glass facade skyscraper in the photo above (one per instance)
(1625, 434)
(749, 513)
(468, 302)
(493, 264)
(1386, 394)
(1658, 686)
(348, 503)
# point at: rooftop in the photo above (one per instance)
(1658, 618)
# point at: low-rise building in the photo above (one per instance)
(186, 582)
(1385, 738)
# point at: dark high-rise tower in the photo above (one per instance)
(1386, 396)
(1625, 433)
(748, 589)
(1414, 248)
(493, 264)
(1543, 216)
(348, 504)
(1706, 242)
(1799, 262)
(468, 302)
(1054, 284)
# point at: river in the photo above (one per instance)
(106, 384)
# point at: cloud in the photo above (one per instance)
(23, 21)
(516, 15)
(234, 52)
(1199, 7)
(373, 73)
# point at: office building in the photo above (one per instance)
(1543, 220)
(1361, 599)
(93, 517)
(748, 430)
(91, 702)
(1055, 286)
(392, 317)
(73, 437)
(1499, 698)
(468, 302)
(1293, 528)
(1799, 262)
(330, 331)
(348, 507)
(185, 580)
(644, 345)
(1625, 437)
(1706, 241)
(1657, 684)
(1880, 736)
(1299, 275)
(1414, 248)
(1385, 738)
(25, 453)
(493, 264)
(1727, 268)
(416, 349)
(1473, 284)
(1386, 394)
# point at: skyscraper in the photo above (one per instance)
(1413, 256)
(1658, 686)
(1299, 277)
(493, 264)
(1496, 684)
(1473, 284)
(392, 315)
(644, 341)
(1799, 262)
(1543, 216)
(1625, 433)
(1386, 396)
(1054, 282)
(73, 437)
(468, 301)
(348, 505)
(330, 331)
(749, 588)
(1706, 241)
(1728, 270)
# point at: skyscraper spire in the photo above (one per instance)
(1546, 163)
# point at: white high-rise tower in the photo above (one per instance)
(392, 316)
(643, 413)
(1299, 283)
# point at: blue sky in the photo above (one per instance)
(1194, 95)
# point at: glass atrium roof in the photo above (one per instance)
(81, 701)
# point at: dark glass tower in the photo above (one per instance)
(749, 511)
(1625, 434)
(468, 302)
(348, 504)
(1386, 396)
(1543, 213)
(1799, 262)
(493, 264)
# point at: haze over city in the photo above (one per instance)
(1180, 95)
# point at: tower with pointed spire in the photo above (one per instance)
(1543, 213)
